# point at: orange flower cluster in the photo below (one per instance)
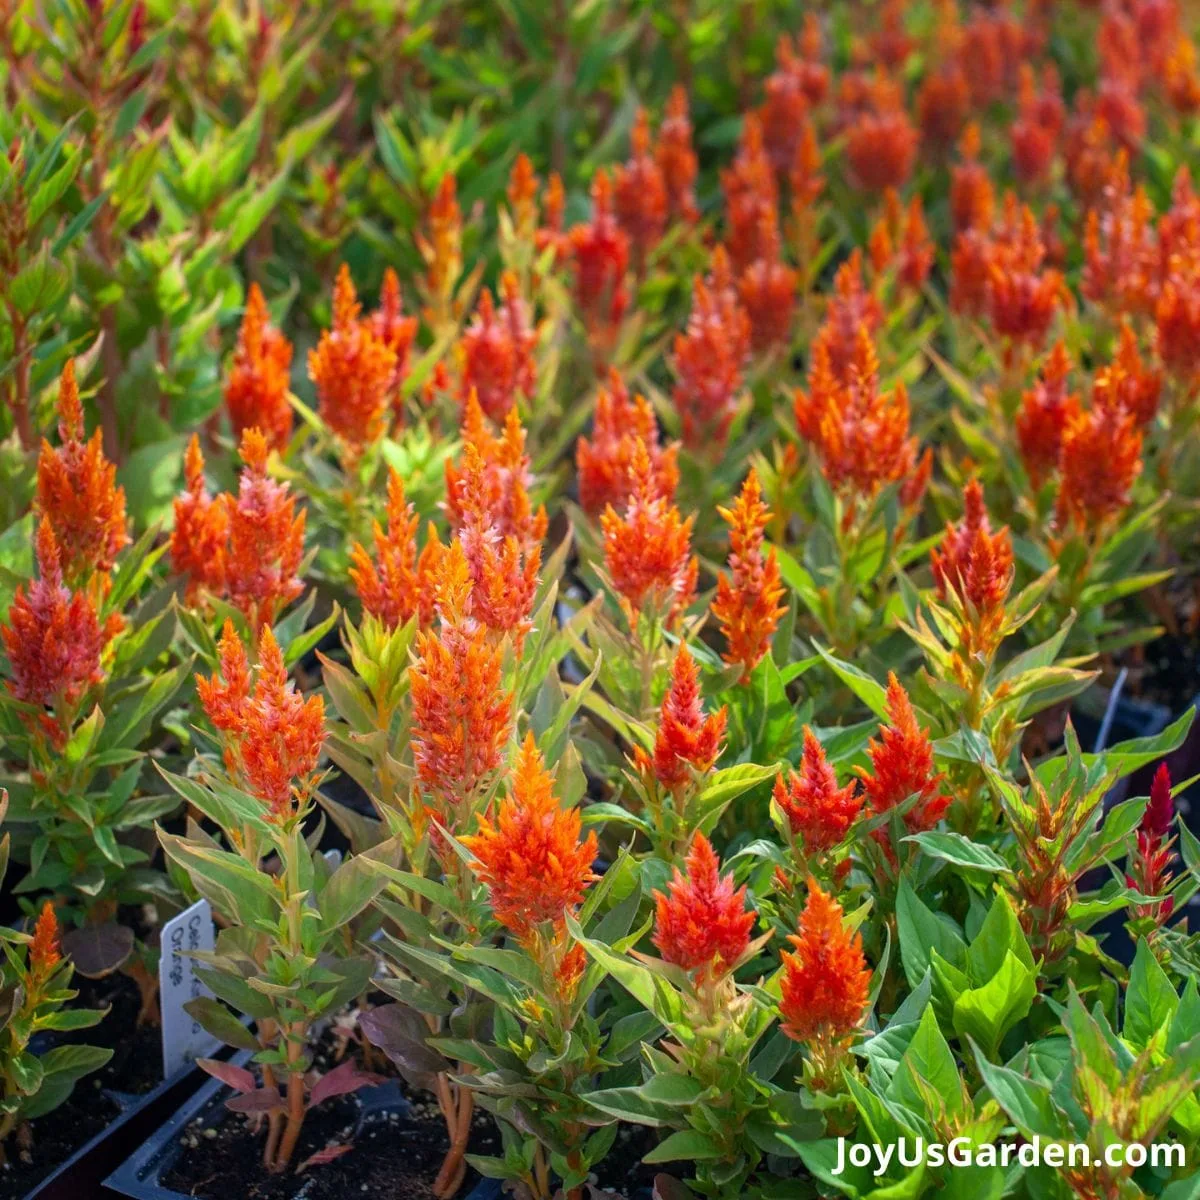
(77, 491)
(826, 984)
(902, 765)
(461, 713)
(972, 198)
(799, 83)
(1099, 460)
(396, 331)
(1128, 382)
(53, 638)
(1041, 116)
(976, 565)
(994, 44)
(45, 948)
(676, 159)
(818, 812)
(522, 193)
(747, 604)
(709, 358)
(767, 290)
(398, 584)
(1045, 410)
(640, 196)
(600, 256)
(256, 393)
(647, 549)
(1001, 275)
(687, 742)
(1121, 268)
(532, 859)
(354, 371)
(497, 352)
(860, 434)
(272, 735)
(851, 305)
(701, 923)
(943, 98)
(442, 250)
(881, 142)
(900, 240)
(246, 549)
(605, 463)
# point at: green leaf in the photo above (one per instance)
(355, 884)
(985, 1014)
(1028, 1104)
(221, 1023)
(868, 690)
(928, 1059)
(684, 1144)
(1150, 999)
(959, 850)
(922, 931)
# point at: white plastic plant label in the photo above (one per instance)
(183, 1037)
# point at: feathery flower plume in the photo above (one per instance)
(709, 357)
(676, 159)
(461, 713)
(972, 198)
(272, 735)
(1041, 115)
(902, 765)
(522, 193)
(600, 255)
(647, 550)
(497, 352)
(687, 742)
(747, 604)
(1099, 461)
(850, 305)
(826, 984)
(1181, 80)
(789, 93)
(767, 290)
(972, 561)
(1177, 323)
(901, 240)
(551, 233)
(53, 638)
(396, 331)
(881, 142)
(604, 464)
(701, 923)
(531, 857)
(943, 100)
(1045, 410)
(353, 370)
(640, 197)
(818, 812)
(77, 491)
(1121, 256)
(1150, 865)
(201, 533)
(45, 948)
(751, 196)
(256, 392)
(397, 585)
(1127, 382)
(442, 250)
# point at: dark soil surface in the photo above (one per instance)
(623, 1171)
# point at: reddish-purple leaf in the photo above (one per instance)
(344, 1078)
(325, 1156)
(232, 1076)
(260, 1101)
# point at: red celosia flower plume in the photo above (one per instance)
(747, 604)
(461, 712)
(640, 196)
(647, 549)
(77, 491)
(1045, 410)
(600, 254)
(497, 353)
(266, 539)
(397, 584)
(1041, 115)
(701, 923)
(850, 307)
(1150, 865)
(818, 812)
(256, 393)
(687, 742)
(798, 83)
(531, 857)
(767, 290)
(709, 357)
(353, 369)
(675, 157)
(605, 463)
(902, 765)
(972, 198)
(394, 330)
(272, 735)
(201, 534)
(826, 983)
(900, 240)
(45, 949)
(1099, 461)
(973, 562)
(881, 142)
(1127, 382)
(751, 196)
(53, 638)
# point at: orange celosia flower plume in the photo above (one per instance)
(461, 712)
(687, 741)
(396, 331)
(701, 923)
(272, 735)
(977, 566)
(825, 984)
(600, 255)
(531, 857)
(45, 949)
(818, 812)
(640, 196)
(53, 637)
(397, 584)
(902, 765)
(497, 352)
(201, 533)
(1099, 461)
(747, 604)
(256, 393)
(353, 369)
(1045, 411)
(605, 463)
(647, 550)
(676, 158)
(77, 491)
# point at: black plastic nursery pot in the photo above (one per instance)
(144, 1173)
(82, 1175)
